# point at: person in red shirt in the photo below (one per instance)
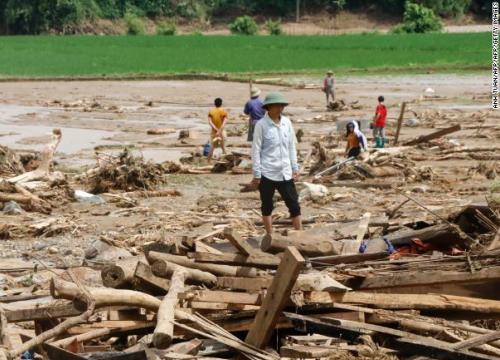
(379, 123)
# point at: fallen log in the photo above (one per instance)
(144, 273)
(164, 331)
(434, 135)
(222, 270)
(122, 273)
(264, 260)
(166, 269)
(276, 243)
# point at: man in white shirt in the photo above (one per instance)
(274, 159)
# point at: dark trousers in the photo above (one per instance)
(354, 152)
(288, 193)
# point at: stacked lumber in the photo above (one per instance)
(202, 301)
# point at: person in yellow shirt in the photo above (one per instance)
(217, 118)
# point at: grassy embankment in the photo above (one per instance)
(128, 56)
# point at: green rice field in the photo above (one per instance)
(95, 56)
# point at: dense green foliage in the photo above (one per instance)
(166, 28)
(418, 19)
(64, 16)
(274, 27)
(122, 55)
(244, 25)
(135, 26)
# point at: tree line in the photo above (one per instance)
(65, 16)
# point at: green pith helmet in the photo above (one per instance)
(275, 98)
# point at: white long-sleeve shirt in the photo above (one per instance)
(274, 155)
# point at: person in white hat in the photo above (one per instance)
(274, 161)
(328, 86)
(254, 109)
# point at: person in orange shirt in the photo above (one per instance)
(217, 118)
(356, 140)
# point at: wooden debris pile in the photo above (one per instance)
(330, 291)
(341, 105)
(124, 172)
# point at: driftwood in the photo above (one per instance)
(164, 331)
(43, 170)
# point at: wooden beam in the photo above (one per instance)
(346, 259)
(40, 310)
(433, 135)
(406, 301)
(496, 241)
(275, 299)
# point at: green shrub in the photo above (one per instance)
(244, 25)
(274, 27)
(135, 26)
(418, 19)
(166, 28)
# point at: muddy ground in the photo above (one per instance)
(112, 115)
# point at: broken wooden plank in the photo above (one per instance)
(275, 299)
(433, 135)
(321, 261)
(241, 245)
(43, 308)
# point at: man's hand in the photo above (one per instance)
(296, 175)
(255, 182)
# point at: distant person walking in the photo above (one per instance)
(274, 159)
(254, 108)
(217, 118)
(329, 86)
(379, 123)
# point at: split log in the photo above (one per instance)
(276, 243)
(43, 170)
(222, 270)
(352, 247)
(122, 273)
(434, 135)
(164, 331)
(166, 269)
